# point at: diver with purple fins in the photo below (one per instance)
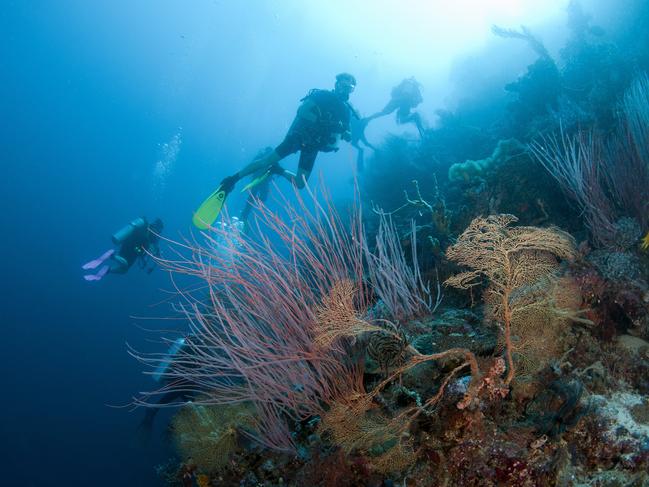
(137, 240)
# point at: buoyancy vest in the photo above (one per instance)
(333, 114)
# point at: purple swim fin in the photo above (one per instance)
(97, 277)
(93, 264)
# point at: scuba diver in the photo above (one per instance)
(321, 120)
(175, 387)
(403, 98)
(161, 375)
(137, 241)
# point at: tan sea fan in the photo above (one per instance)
(520, 265)
(336, 316)
(208, 434)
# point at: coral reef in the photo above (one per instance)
(533, 369)
(473, 170)
(206, 436)
(522, 389)
(519, 264)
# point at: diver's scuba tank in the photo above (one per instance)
(163, 365)
(122, 234)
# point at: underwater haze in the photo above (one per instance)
(116, 110)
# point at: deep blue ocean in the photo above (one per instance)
(90, 95)
(114, 110)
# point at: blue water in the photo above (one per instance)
(90, 95)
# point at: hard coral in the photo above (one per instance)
(645, 242)
(472, 170)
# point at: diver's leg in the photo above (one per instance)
(269, 160)
(305, 166)
(367, 144)
(145, 428)
(118, 265)
(416, 118)
(291, 144)
(245, 213)
(259, 193)
(403, 115)
(93, 264)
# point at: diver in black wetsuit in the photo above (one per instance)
(322, 118)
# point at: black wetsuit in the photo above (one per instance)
(135, 246)
(333, 116)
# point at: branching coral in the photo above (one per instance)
(400, 286)
(274, 328)
(524, 34)
(467, 171)
(440, 217)
(357, 424)
(516, 262)
(607, 179)
(336, 316)
(207, 435)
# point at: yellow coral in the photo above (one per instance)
(645, 242)
(354, 427)
(208, 434)
(203, 480)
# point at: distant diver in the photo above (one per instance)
(162, 375)
(176, 389)
(322, 119)
(137, 241)
(404, 98)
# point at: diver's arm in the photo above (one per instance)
(155, 250)
(389, 108)
(363, 139)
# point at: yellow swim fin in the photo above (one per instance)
(258, 180)
(210, 209)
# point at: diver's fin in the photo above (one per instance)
(93, 264)
(210, 209)
(257, 181)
